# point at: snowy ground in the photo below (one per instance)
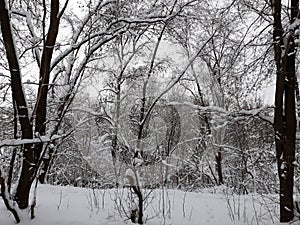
(78, 206)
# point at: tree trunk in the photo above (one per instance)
(219, 167)
(41, 104)
(31, 152)
(285, 108)
(14, 153)
(27, 169)
(46, 165)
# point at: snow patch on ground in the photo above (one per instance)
(77, 206)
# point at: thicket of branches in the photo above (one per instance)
(163, 93)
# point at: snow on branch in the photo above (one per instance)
(130, 177)
(182, 73)
(150, 20)
(168, 164)
(17, 142)
(106, 35)
(93, 113)
(259, 112)
(256, 113)
(295, 25)
(110, 32)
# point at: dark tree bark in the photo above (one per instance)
(285, 107)
(14, 153)
(41, 107)
(219, 167)
(24, 184)
(31, 152)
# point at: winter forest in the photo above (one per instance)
(158, 112)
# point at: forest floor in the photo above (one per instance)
(78, 206)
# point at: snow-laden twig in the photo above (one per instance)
(259, 112)
(182, 73)
(168, 164)
(17, 142)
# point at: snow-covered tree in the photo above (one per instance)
(56, 48)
